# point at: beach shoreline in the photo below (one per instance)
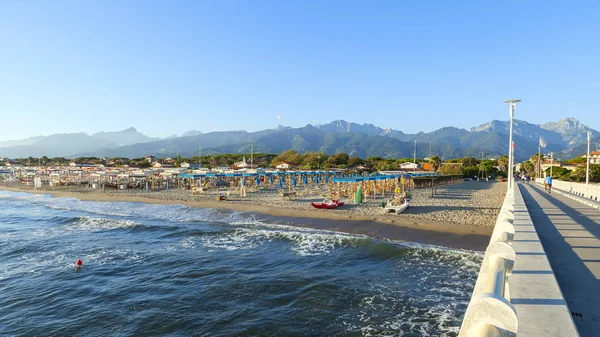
(421, 231)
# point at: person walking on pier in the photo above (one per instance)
(548, 184)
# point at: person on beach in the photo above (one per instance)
(548, 184)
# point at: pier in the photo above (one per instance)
(541, 271)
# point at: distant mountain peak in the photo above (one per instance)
(191, 133)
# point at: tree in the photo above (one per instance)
(355, 161)
(527, 167)
(289, 156)
(436, 162)
(470, 171)
(469, 161)
(503, 163)
(338, 160)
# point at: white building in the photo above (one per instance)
(283, 165)
(408, 166)
(594, 157)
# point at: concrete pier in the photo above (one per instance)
(570, 234)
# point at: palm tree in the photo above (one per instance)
(503, 163)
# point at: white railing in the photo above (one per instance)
(590, 191)
(490, 312)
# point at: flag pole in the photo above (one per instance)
(539, 167)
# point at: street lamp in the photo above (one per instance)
(511, 106)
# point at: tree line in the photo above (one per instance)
(469, 166)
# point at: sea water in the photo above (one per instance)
(173, 270)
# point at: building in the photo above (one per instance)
(594, 157)
(547, 163)
(409, 166)
(151, 159)
(189, 166)
(162, 165)
(13, 164)
(283, 165)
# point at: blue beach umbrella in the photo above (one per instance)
(257, 180)
(271, 178)
(281, 182)
(294, 181)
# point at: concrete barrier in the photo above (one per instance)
(490, 312)
(590, 191)
(516, 290)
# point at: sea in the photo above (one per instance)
(172, 270)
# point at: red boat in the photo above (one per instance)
(328, 204)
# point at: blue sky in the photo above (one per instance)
(170, 66)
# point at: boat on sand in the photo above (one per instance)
(328, 204)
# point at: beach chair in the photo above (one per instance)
(290, 195)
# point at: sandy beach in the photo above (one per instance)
(459, 215)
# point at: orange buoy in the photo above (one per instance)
(79, 263)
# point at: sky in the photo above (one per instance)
(166, 67)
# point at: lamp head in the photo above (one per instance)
(512, 101)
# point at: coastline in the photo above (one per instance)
(421, 231)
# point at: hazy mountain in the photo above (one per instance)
(567, 132)
(338, 136)
(572, 131)
(59, 145)
(67, 144)
(125, 137)
(191, 133)
(531, 132)
(26, 141)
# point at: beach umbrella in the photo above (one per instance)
(281, 182)
(294, 181)
(327, 178)
(257, 180)
(271, 179)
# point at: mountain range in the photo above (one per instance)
(564, 137)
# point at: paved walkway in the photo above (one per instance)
(570, 234)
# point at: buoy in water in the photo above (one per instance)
(79, 263)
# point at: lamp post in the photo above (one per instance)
(587, 169)
(511, 106)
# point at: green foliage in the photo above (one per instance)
(355, 161)
(289, 156)
(503, 163)
(577, 160)
(469, 161)
(470, 171)
(527, 167)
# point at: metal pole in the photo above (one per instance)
(415, 159)
(537, 169)
(510, 146)
(551, 163)
(587, 169)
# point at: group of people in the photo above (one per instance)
(525, 178)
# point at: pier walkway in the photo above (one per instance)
(570, 234)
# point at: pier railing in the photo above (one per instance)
(490, 312)
(590, 191)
